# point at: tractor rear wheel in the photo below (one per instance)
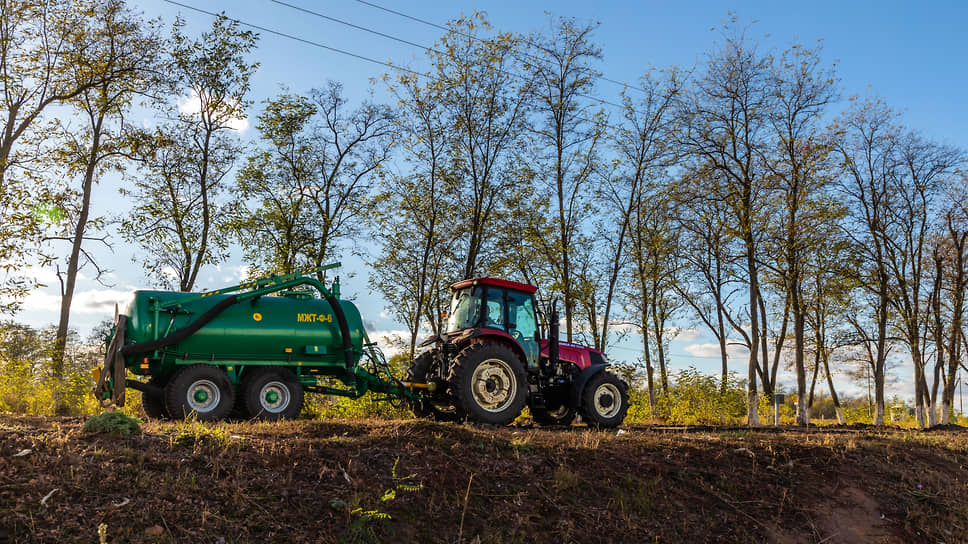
(426, 365)
(272, 393)
(203, 390)
(154, 404)
(604, 401)
(490, 383)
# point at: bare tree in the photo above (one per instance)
(43, 49)
(803, 89)
(644, 154)
(414, 263)
(707, 281)
(566, 133)
(314, 177)
(920, 167)
(484, 104)
(950, 258)
(868, 151)
(725, 124)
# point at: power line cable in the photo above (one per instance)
(444, 28)
(426, 48)
(351, 25)
(359, 56)
(298, 39)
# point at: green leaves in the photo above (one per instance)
(180, 215)
(309, 189)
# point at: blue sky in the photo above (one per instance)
(913, 55)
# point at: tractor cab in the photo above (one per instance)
(496, 307)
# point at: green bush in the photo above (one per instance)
(693, 398)
(333, 407)
(113, 423)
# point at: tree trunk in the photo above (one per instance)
(73, 264)
(752, 397)
(881, 355)
(833, 391)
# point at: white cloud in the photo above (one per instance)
(94, 301)
(686, 334)
(712, 350)
(391, 342)
(191, 104)
(169, 272)
(101, 301)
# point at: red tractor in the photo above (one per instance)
(492, 361)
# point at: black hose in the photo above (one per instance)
(344, 331)
(182, 333)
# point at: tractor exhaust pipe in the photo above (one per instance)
(554, 330)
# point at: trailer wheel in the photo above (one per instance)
(426, 364)
(203, 390)
(604, 401)
(272, 393)
(490, 383)
(154, 405)
(560, 415)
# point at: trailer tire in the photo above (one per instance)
(272, 393)
(604, 401)
(425, 407)
(203, 390)
(154, 405)
(490, 383)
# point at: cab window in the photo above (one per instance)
(523, 324)
(521, 306)
(465, 309)
(494, 307)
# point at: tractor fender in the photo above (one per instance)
(578, 387)
(473, 336)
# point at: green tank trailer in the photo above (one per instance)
(250, 350)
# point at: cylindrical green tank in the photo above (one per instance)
(294, 328)
(251, 350)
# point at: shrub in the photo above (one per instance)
(113, 423)
(693, 398)
(330, 407)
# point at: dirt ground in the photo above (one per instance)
(418, 481)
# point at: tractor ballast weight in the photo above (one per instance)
(252, 348)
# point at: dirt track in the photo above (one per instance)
(332, 481)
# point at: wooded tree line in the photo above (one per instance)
(744, 196)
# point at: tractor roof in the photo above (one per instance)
(508, 284)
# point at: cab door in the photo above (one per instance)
(523, 324)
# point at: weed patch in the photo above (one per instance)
(113, 423)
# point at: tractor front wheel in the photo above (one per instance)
(203, 390)
(490, 383)
(604, 401)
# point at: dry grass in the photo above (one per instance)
(327, 481)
